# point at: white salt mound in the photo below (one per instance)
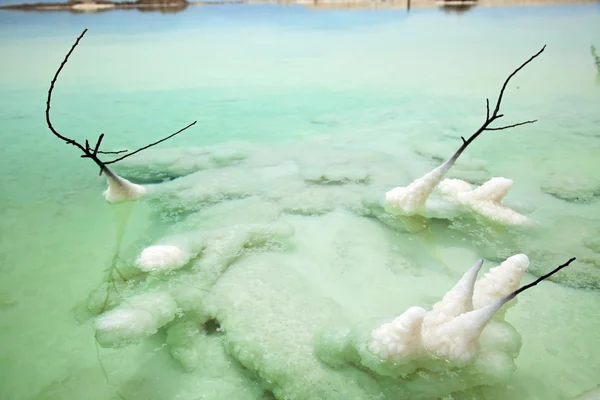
(136, 318)
(484, 200)
(162, 258)
(120, 189)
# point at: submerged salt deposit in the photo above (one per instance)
(235, 261)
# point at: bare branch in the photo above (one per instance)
(510, 77)
(52, 83)
(511, 126)
(87, 151)
(150, 145)
(98, 143)
(112, 152)
(489, 119)
(541, 278)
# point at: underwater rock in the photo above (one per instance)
(155, 166)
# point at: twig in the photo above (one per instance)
(150, 145)
(541, 278)
(511, 126)
(87, 151)
(495, 114)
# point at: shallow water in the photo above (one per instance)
(370, 99)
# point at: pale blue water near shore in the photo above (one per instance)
(300, 93)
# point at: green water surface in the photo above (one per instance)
(383, 92)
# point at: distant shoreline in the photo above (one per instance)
(173, 6)
(100, 6)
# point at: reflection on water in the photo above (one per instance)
(597, 62)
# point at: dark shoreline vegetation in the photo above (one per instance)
(77, 7)
(174, 6)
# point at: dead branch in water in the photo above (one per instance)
(88, 152)
(538, 280)
(495, 113)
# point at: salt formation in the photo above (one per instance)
(459, 332)
(410, 200)
(484, 200)
(592, 394)
(500, 282)
(120, 189)
(140, 316)
(154, 166)
(162, 257)
(187, 343)
(153, 302)
(171, 253)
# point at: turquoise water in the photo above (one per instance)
(300, 94)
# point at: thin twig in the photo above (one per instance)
(150, 145)
(511, 75)
(52, 83)
(511, 126)
(541, 278)
(112, 152)
(98, 143)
